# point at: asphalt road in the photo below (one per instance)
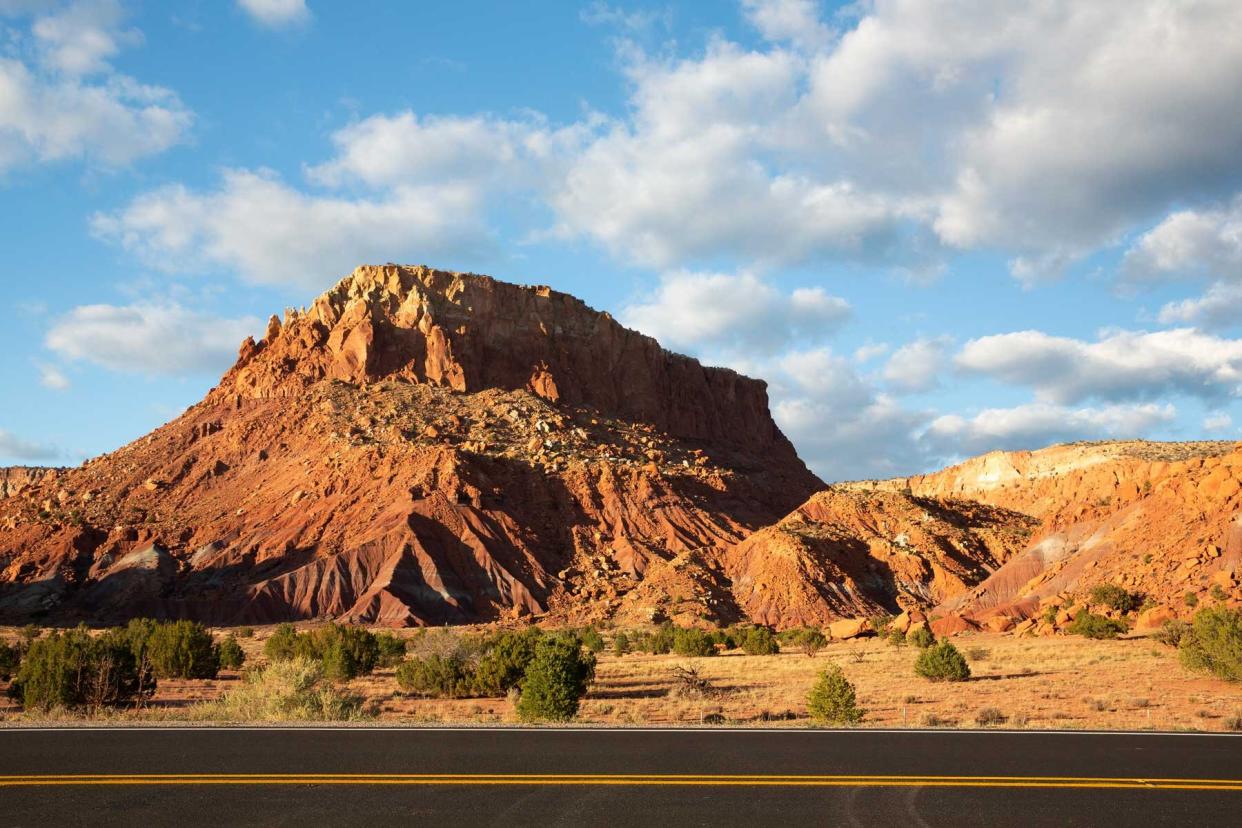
(353, 776)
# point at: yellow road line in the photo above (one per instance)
(700, 780)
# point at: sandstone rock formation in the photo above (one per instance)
(417, 447)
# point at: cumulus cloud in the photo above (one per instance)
(12, 446)
(1219, 308)
(1218, 423)
(1120, 365)
(715, 311)
(1036, 425)
(71, 104)
(272, 233)
(52, 377)
(1189, 243)
(792, 21)
(916, 366)
(276, 13)
(150, 339)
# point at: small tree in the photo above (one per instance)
(229, 654)
(504, 660)
(555, 681)
(1172, 632)
(10, 658)
(661, 641)
(1115, 597)
(1214, 643)
(76, 670)
(592, 640)
(896, 637)
(282, 644)
(922, 638)
(759, 641)
(391, 649)
(1090, 625)
(346, 652)
(693, 642)
(832, 699)
(437, 676)
(942, 662)
(181, 649)
(620, 643)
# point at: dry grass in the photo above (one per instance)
(1047, 683)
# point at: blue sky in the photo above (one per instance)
(934, 229)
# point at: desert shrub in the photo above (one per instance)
(1214, 643)
(76, 670)
(921, 638)
(1090, 625)
(179, 649)
(989, 716)
(291, 689)
(693, 642)
(978, 653)
(1172, 632)
(10, 658)
(661, 641)
(1234, 722)
(1218, 593)
(504, 659)
(1115, 597)
(244, 632)
(1191, 599)
(758, 640)
(229, 654)
(942, 662)
(556, 680)
(832, 699)
(809, 639)
(1050, 613)
(880, 623)
(621, 643)
(280, 647)
(896, 638)
(592, 640)
(390, 648)
(436, 676)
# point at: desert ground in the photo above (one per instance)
(1064, 682)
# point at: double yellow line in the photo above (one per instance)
(650, 780)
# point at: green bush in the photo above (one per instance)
(1191, 599)
(1050, 613)
(592, 640)
(758, 641)
(10, 658)
(282, 645)
(229, 654)
(1090, 625)
(291, 689)
(437, 676)
(620, 643)
(245, 632)
(76, 670)
(1115, 597)
(880, 623)
(556, 680)
(896, 637)
(505, 657)
(179, 649)
(1172, 632)
(942, 662)
(345, 652)
(809, 639)
(661, 641)
(693, 642)
(1214, 643)
(922, 638)
(391, 650)
(1218, 593)
(832, 699)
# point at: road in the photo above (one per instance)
(512, 777)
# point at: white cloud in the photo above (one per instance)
(717, 311)
(1219, 308)
(70, 104)
(1218, 423)
(1036, 425)
(52, 377)
(1120, 365)
(276, 13)
(80, 38)
(793, 21)
(21, 450)
(916, 366)
(1190, 243)
(271, 233)
(155, 340)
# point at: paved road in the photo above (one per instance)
(313, 777)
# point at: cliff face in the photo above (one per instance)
(417, 447)
(1161, 519)
(15, 479)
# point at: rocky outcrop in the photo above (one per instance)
(15, 479)
(848, 553)
(417, 447)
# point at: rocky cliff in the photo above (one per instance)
(418, 447)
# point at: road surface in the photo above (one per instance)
(511, 777)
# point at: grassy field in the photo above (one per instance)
(1046, 683)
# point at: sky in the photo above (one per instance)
(935, 229)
